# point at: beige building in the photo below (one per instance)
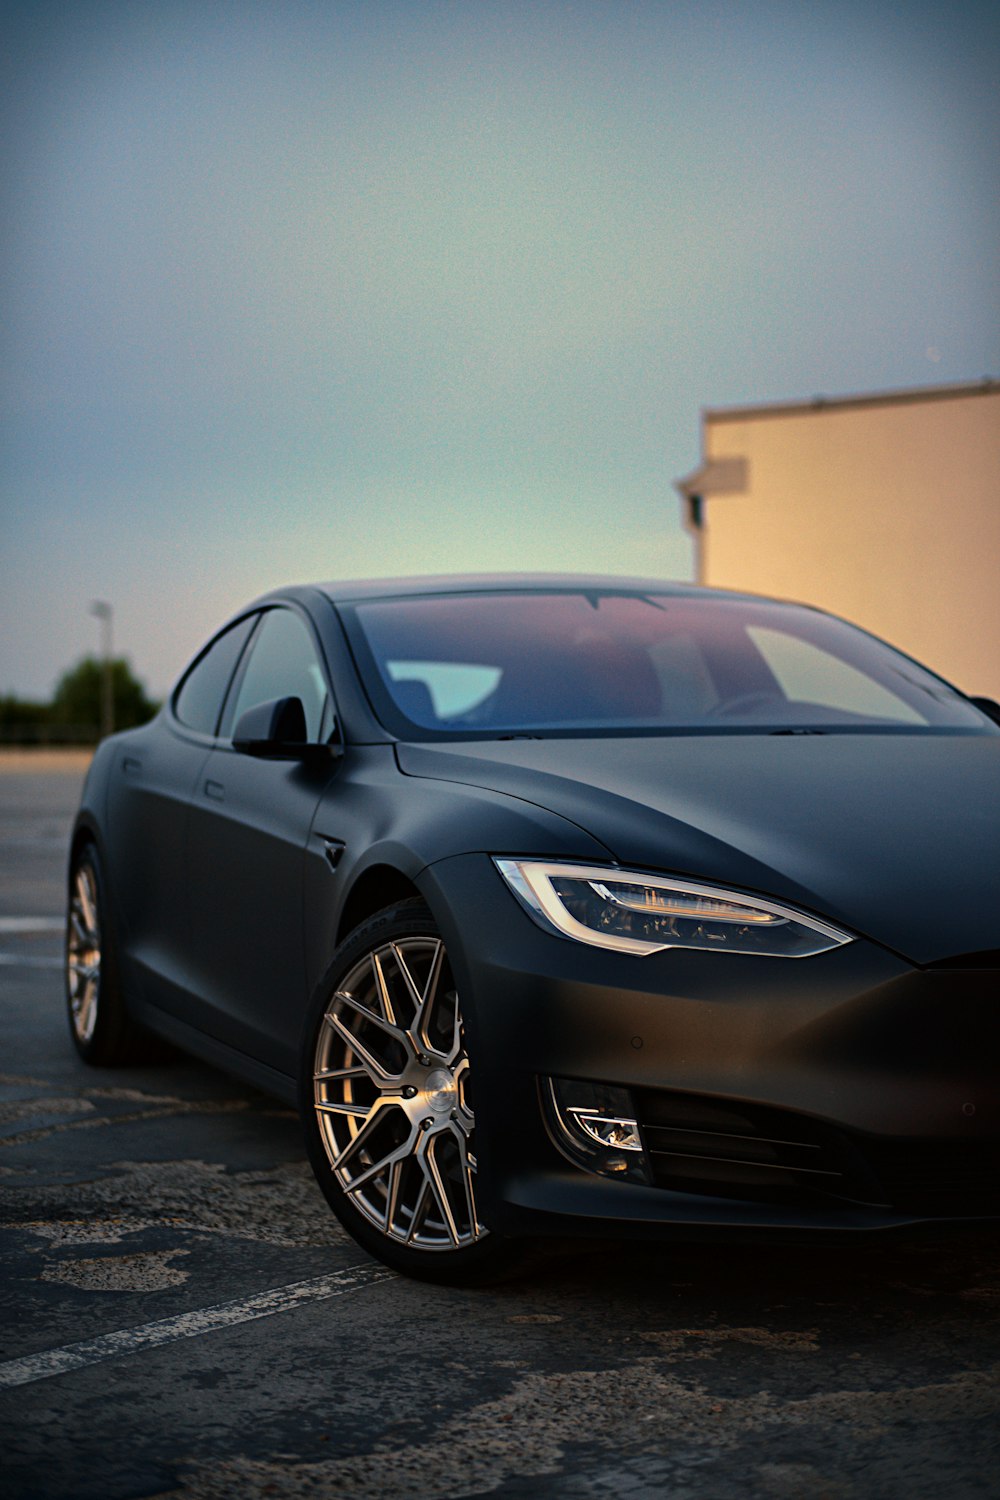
(883, 508)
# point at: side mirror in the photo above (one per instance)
(274, 730)
(989, 707)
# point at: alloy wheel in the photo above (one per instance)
(83, 953)
(392, 1097)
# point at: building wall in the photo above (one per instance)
(884, 510)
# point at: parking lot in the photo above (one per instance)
(183, 1317)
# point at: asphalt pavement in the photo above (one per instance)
(182, 1317)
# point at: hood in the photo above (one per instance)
(895, 836)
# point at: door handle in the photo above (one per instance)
(215, 790)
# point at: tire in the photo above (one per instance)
(386, 1103)
(99, 1023)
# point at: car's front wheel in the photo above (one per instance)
(387, 1102)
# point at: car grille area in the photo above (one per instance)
(704, 1145)
(700, 1144)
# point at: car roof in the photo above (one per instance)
(349, 591)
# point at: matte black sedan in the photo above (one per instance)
(565, 905)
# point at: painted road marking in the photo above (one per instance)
(24, 927)
(190, 1325)
(32, 924)
(15, 961)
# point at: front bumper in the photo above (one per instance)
(839, 1093)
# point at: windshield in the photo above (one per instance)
(533, 662)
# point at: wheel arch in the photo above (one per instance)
(375, 888)
(83, 834)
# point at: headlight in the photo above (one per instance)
(641, 914)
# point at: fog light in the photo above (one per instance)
(594, 1125)
(607, 1130)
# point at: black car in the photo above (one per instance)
(565, 906)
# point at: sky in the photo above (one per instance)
(305, 290)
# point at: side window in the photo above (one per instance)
(198, 700)
(284, 663)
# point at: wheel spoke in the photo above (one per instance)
(416, 998)
(86, 1011)
(420, 1028)
(326, 1075)
(392, 1194)
(378, 1074)
(390, 1159)
(383, 988)
(83, 979)
(469, 1188)
(419, 1210)
(357, 1111)
(84, 939)
(456, 1035)
(86, 902)
(371, 1119)
(428, 1160)
(389, 1027)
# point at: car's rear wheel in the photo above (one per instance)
(387, 1103)
(99, 1023)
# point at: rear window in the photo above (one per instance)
(609, 662)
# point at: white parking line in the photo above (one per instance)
(15, 961)
(25, 927)
(32, 924)
(190, 1325)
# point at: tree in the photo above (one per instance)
(77, 699)
(23, 721)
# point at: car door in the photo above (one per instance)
(150, 786)
(247, 842)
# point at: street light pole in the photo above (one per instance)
(105, 614)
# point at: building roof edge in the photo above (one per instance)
(986, 386)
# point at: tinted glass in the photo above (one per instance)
(198, 700)
(284, 663)
(603, 661)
